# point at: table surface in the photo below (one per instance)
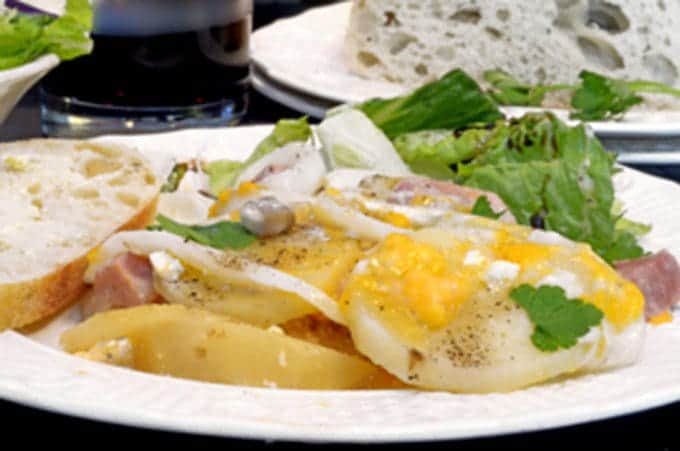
(653, 430)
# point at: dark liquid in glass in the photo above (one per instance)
(166, 70)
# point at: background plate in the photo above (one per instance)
(34, 373)
(305, 54)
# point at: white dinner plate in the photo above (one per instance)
(305, 54)
(35, 372)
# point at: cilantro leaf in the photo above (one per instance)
(600, 98)
(559, 322)
(483, 208)
(220, 235)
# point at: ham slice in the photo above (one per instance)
(127, 281)
(462, 195)
(658, 277)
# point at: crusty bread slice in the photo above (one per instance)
(537, 41)
(59, 199)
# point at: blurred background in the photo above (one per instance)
(147, 73)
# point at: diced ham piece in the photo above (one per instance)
(658, 277)
(127, 281)
(466, 197)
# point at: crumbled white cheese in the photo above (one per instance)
(283, 362)
(275, 330)
(166, 266)
(115, 352)
(474, 258)
(269, 384)
(501, 271)
(566, 280)
(547, 238)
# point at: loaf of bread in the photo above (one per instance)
(59, 200)
(412, 42)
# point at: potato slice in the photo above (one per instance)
(320, 259)
(257, 306)
(196, 344)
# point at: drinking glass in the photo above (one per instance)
(156, 65)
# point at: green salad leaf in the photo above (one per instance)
(483, 208)
(285, 131)
(221, 235)
(545, 171)
(595, 98)
(434, 152)
(601, 98)
(453, 102)
(224, 173)
(507, 90)
(25, 37)
(559, 322)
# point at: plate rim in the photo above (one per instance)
(23, 393)
(609, 129)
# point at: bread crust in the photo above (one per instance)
(26, 303)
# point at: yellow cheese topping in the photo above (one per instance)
(245, 189)
(621, 301)
(410, 276)
(663, 318)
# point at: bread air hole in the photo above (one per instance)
(99, 166)
(467, 15)
(494, 32)
(400, 41)
(368, 59)
(503, 15)
(600, 52)
(86, 193)
(128, 199)
(661, 68)
(607, 16)
(421, 70)
(34, 189)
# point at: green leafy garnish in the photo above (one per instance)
(174, 178)
(601, 98)
(220, 235)
(285, 131)
(453, 102)
(559, 322)
(224, 173)
(25, 37)
(507, 90)
(541, 168)
(434, 152)
(483, 208)
(594, 98)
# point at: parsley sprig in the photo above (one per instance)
(559, 322)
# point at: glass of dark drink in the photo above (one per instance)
(156, 65)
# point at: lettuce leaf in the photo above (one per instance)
(224, 173)
(433, 153)
(25, 37)
(350, 140)
(546, 172)
(507, 90)
(453, 102)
